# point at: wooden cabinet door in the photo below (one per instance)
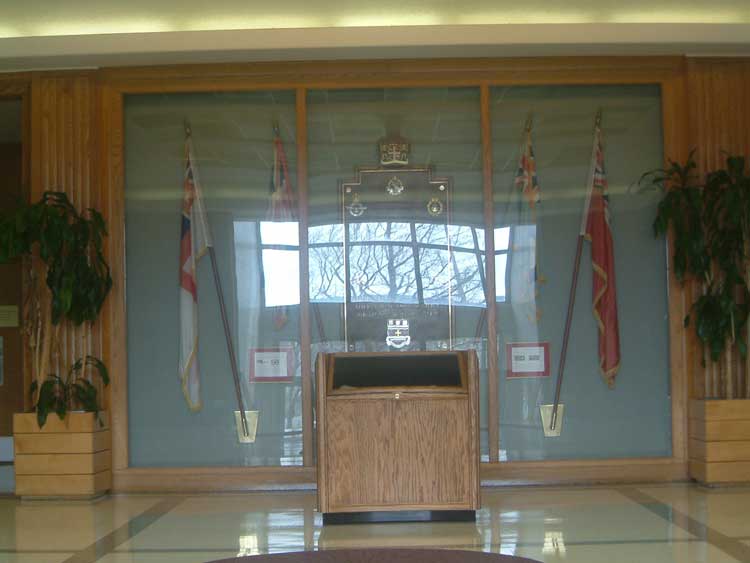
(389, 454)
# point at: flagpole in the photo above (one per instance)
(576, 268)
(228, 337)
(225, 321)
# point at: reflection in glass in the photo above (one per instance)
(237, 150)
(533, 272)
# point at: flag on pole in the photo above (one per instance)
(526, 180)
(598, 231)
(282, 204)
(524, 260)
(282, 198)
(195, 239)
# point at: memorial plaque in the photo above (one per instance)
(397, 252)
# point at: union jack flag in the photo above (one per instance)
(526, 179)
(525, 275)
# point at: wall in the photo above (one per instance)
(719, 98)
(63, 138)
(64, 128)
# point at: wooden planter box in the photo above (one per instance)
(720, 441)
(67, 458)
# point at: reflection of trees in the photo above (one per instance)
(326, 263)
(384, 259)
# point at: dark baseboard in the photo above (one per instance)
(399, 516)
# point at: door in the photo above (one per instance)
(11, 349)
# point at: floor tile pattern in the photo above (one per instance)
(681, 523)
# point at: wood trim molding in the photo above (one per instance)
(114, 83)
(493, 373)
(383, 73)
(236, 479)
(584, 472)
(304, 281)
(676, 147)
(211, 479)
(114, 314)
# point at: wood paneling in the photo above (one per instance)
(69, 458)
(74, 422)
(72, 443)
(67, 486)
(719, 98)
(62, 464)
(114, 317)
(675, 131)
(210, 479)
(720, 410)
(720, 440)
(720, 451)
(63, 153)
(584, 472)
(724, 472)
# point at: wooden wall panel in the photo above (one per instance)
(63, 156)
(719, 108)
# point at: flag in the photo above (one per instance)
(195, 239)
(524, 259)
(282, 198)
(526, 180)
(281, 206)
(599, 232)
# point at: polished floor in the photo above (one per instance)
(646, 523)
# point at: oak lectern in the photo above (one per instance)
(398, 436)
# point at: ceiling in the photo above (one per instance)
(88, 33)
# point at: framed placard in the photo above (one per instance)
(271, 365)
(8, 316)
(527, 359)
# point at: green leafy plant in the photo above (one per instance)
(65, 248)
(71, 246)
(59, 396)
(710, 226)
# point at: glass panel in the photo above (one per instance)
(257, 251)
(387, 243)
(535, 253)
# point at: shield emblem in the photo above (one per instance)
(397, 334)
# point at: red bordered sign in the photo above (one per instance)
(271, 364)
(527, 359)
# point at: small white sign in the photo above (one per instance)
(270, 364)
(528, 359)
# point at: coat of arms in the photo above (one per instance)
(397, 335)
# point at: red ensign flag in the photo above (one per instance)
(599, 233)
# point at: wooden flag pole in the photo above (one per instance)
(225, 321)
(228, 337)
(574, 282)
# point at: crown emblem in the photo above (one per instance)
(394, 151)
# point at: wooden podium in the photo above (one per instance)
(398, 436)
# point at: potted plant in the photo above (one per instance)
(66, 454)
(709, 222)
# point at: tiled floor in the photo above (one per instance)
(649, 523)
